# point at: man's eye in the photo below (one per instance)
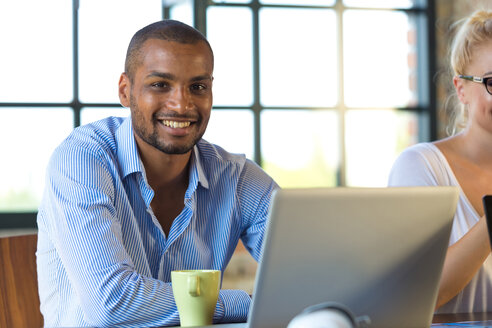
(159, 84)
(198, 87)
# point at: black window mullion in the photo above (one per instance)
(341, 172)
(427, 51)
(257, 108)
(200, 15)
(76, 105)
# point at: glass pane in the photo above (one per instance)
(377, 59)
(233, 70)
(299, 2)
(232, 130)
(36, 60)
(106, 28)
(295, 71)
(182, 11)
(92, 114)
(300, 147)
(383, 3)
(28, 146)
(374, 138)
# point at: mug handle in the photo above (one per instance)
(194, 285)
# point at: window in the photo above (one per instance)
(60, 69)
(336, 89)
(313, 90)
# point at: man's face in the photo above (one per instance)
(170, 97)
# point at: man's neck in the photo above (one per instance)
(163, 170)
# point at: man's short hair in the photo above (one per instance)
(169, 30)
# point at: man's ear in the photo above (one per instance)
(124, 90)
(460, 90)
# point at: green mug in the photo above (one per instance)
(196, 293)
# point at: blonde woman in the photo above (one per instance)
(465, 160)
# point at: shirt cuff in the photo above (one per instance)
(232, 306)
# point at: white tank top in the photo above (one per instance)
(424, 165)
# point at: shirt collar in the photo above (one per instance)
(127, 152)
(196, 165)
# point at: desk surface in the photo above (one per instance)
(437, 318)
(458, 317)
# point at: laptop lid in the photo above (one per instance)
(378, 251)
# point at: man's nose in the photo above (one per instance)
(179, 100)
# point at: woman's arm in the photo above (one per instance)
(463, 260)
(420, 166)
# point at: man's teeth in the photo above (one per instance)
(174, 124)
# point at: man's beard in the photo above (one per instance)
(152, 138)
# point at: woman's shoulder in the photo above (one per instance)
(420, 164)
(421, 150)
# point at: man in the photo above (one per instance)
(129, 200)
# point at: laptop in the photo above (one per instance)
(377, 251)
(487, 209)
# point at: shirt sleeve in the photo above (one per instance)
(232, 306)
(79, 206)
(255, 192)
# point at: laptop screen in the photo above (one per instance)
(378, 251)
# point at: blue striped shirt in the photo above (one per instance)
(102, 257)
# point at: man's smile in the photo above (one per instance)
(175, 124)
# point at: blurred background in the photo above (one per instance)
(320, 93)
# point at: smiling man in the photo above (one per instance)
(129, 200)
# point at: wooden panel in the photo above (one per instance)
(19, 299)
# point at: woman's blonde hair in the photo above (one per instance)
(472, 32)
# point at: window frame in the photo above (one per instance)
(426, 89)
(424, 12)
